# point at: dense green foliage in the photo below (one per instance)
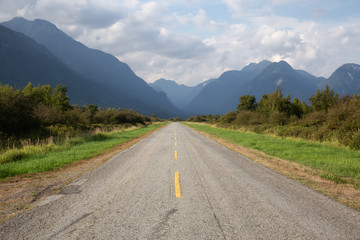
(37, 113)
(336, 164)
(327, 118)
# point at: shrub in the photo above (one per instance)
(314, 119)
(61, 130)
(228, 117)
(278, 118)
(355, 143)
(244, 118)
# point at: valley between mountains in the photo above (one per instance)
(111, 83)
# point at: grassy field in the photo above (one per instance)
(32, 159)
(337, 164)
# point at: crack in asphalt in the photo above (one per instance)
(70, 224)
(161, 225)
(208, 200)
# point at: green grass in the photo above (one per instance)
(33, 159)
(335, 163)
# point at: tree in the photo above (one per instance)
(275, 102)
(247, 103)
(39, 94)
(299, 108)
(16, 113)
(92, 109)
(323, 99)
(60, 98)
(228, 117)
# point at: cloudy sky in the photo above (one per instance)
(193, 40)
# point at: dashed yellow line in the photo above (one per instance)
(175, 155)
(177, 185)
(175, 144)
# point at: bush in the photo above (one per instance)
(355, 143)
(244, 118)
(61, 130)
(228, 117)
(278, 118)
(12, 155)
(16, 113)
(314, 119)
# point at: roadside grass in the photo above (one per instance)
(337, 164)
(33, 159)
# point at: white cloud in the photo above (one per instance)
(281, 2)
(193, 44)
(246, 8)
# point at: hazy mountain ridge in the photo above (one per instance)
(179, 95)
(345, 80)
(93, 76)
(222, 94)
(282, 75)
(23, 60)
(103, 68)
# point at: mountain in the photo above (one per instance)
(222, 95)
(22, 60)
(179, 95)
(309, 76)
(93, 76)
(298, 84)
(345, 80)
(99, 67)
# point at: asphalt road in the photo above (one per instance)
(218, 195)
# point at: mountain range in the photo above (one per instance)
(40, 53)
(115, 84)
(179, 95)
(22, 60)
(221, 95)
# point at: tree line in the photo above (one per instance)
(329, 117)
(37, 113)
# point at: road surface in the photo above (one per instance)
(177, 184)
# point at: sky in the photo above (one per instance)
(191, 41)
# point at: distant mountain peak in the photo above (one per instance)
(45, 23)
(345, 79)
(283, 64)
(252, 66)
(19, 20)
(33, 28)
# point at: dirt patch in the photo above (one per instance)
(344, 193)
(20, 193)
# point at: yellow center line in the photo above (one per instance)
(175, 154)
(175, 138)
(175, 143)
(177, 185)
